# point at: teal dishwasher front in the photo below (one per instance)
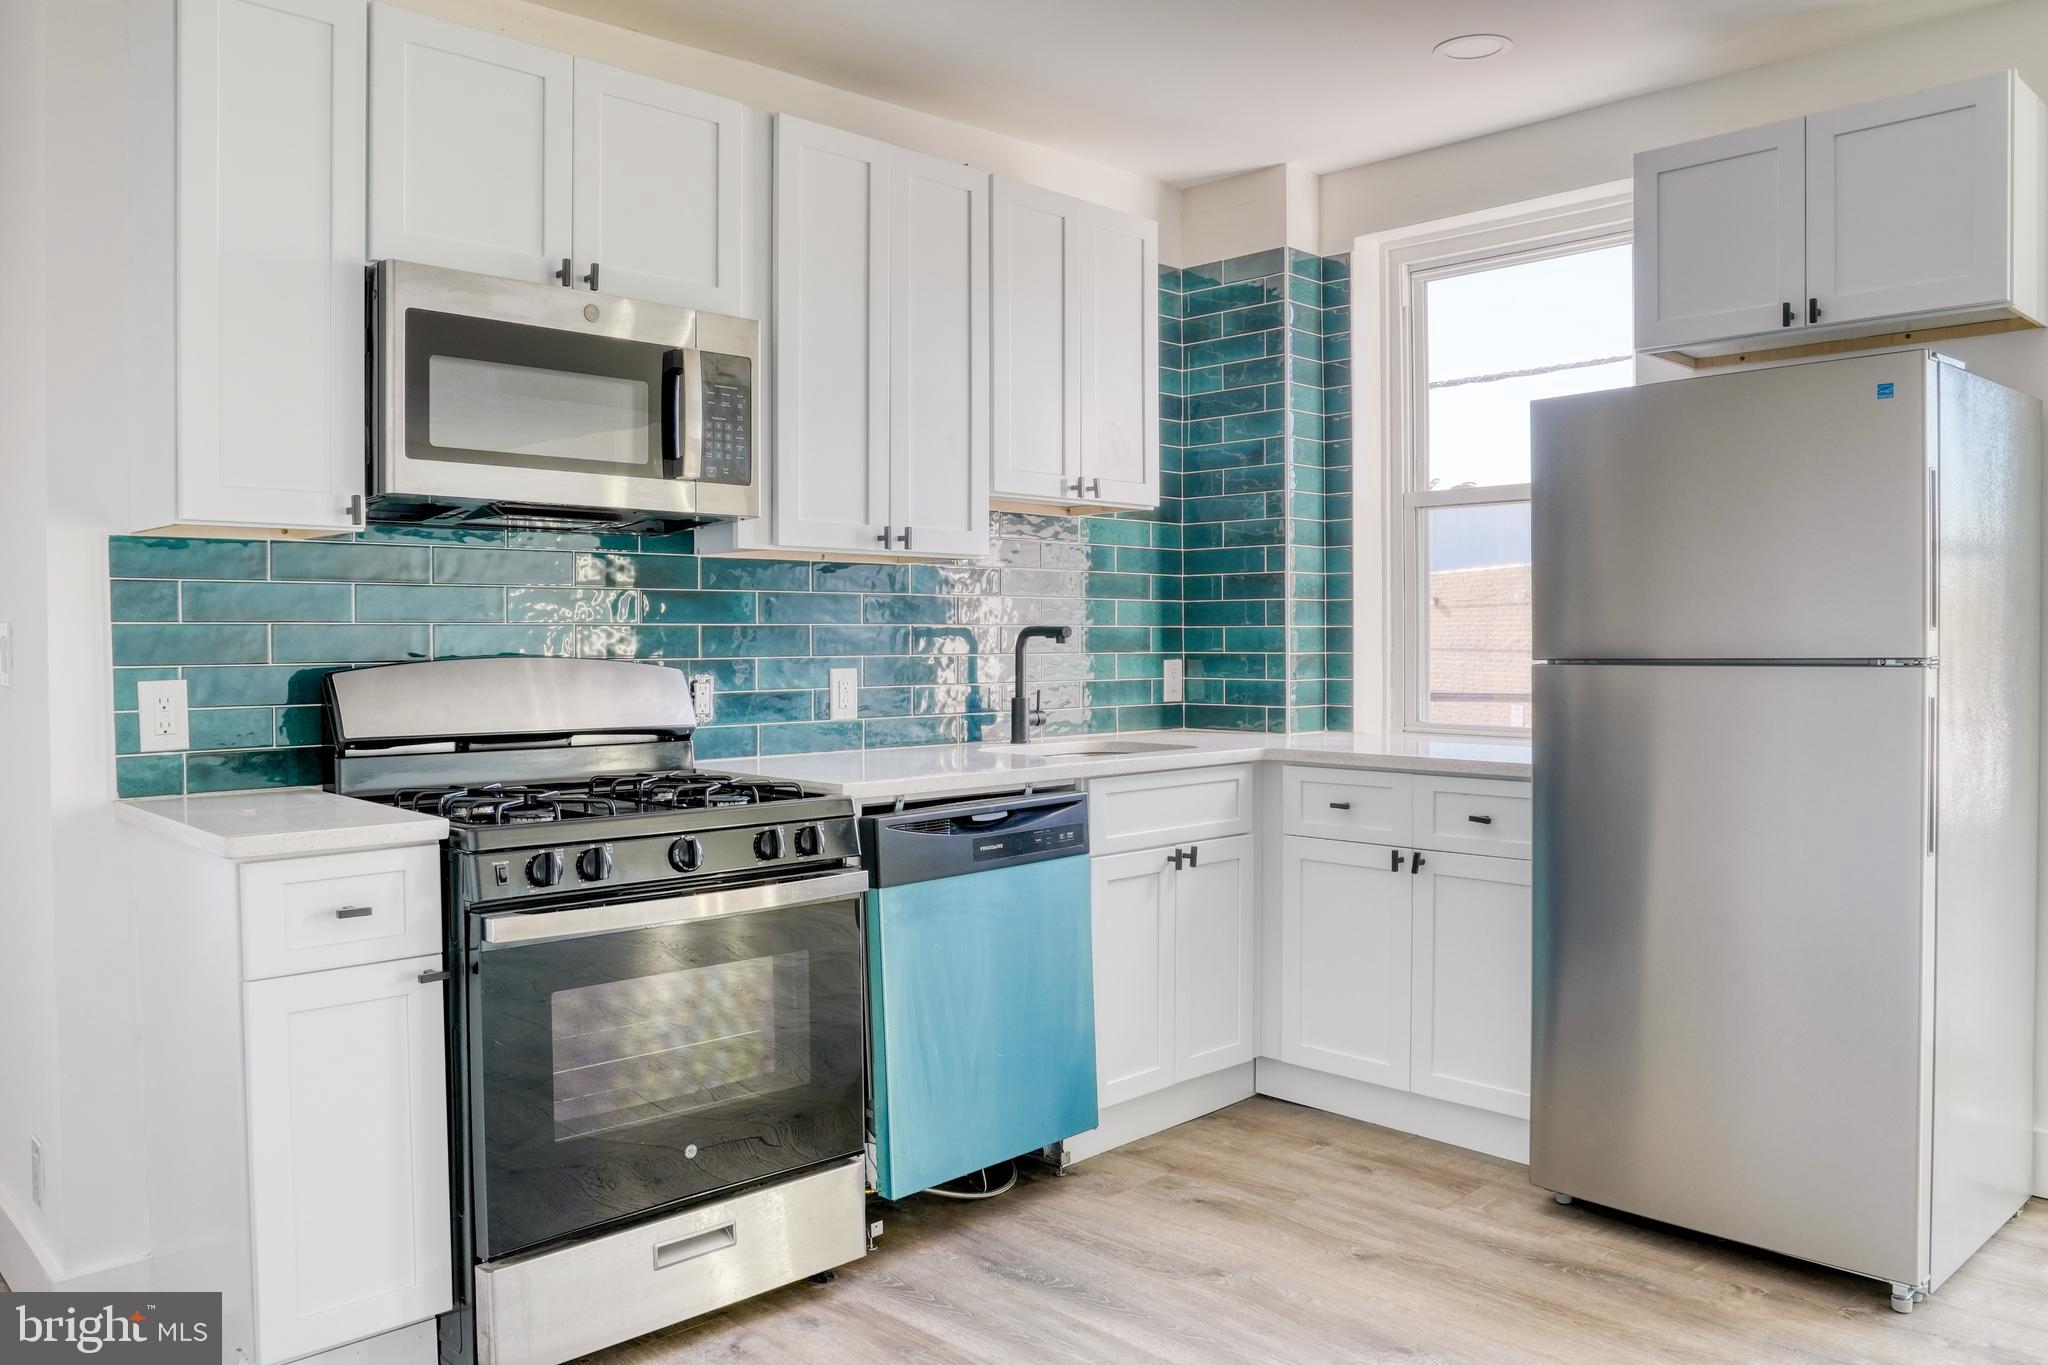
(981, 995)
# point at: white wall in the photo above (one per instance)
(1254, 211)
(1597, 145)
(779, 92)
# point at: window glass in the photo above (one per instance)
(1476, 623)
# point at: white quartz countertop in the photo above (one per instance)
(937, 770)
(281, 824)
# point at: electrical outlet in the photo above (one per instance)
(845, 693)
(703, 697)
(165, 724)
(1171, 687)
(35, 1171)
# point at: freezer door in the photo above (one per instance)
(1731, 953)
(1770, 514)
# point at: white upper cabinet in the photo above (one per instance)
(508, 159)
(1909, 204)
(881, 347)
(270, 155)
(1720, 244)
(1910, 213)
(470, 142)
(660, 190)
(1074, 304)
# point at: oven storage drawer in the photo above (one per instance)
(340, 910)
(556, 1305)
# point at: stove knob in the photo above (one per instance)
(594, 864)
(686, 854)
(768, 844)
(545, 869)
(810, 841)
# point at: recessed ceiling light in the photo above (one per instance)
(1471, 47)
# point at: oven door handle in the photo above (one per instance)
(537, 926)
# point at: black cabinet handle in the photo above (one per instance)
(1480, 819)
(1398, 856)
(1788, 314)
(591, 278)
(1813, 310)
(1415, 866)
(354, 911)
(1340, 805)
(1179, 858)
(429, 978)
(567, 273)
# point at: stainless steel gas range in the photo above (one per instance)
(658, 1015)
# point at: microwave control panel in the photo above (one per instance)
(728, 408)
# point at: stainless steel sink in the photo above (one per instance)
(1085, 748)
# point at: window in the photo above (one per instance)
(1479, 318)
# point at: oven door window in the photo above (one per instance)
(481, 391)
(619, 1073)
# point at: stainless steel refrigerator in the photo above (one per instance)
(1786, 769)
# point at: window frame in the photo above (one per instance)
(1392, 492)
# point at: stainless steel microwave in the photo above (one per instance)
(502, 399)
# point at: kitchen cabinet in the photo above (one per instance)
(881, 348)
(1471, 953)
(1175, 965)
(1075, 317)
(295, 1075)
(270, 148)
(348, 1155)
(1915, 213)
(508, 159)
(1407, 968)
(1345, 920)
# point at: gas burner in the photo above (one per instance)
(682, 790)
(497, 804)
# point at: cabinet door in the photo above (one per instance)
(1132, 896)
(469, 148)
(831, 338)
(938, 322)
(1908, 202)
(348, 1154)
(1720, 237)
(1215, 971)
(1344, 936)
(1472, 973)
(270, 148)
(660, 190)
(1035, 308)
(1118, 258)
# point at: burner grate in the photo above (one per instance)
(495, 803)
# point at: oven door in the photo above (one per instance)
(501, 391)
(627, 1056)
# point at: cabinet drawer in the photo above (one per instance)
(1153, 810)
(1472, 815)
(340, 909)
(1341, 803)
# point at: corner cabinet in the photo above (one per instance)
(269, 266)
(880, 343)
(1921, 213)
(508, 159)
(1075, 314)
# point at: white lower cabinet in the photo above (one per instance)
(348, 1153)
(1472, 964)
(1175, 966)
(1406, 967)
(1344, 936)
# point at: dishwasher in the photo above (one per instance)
(981, 985)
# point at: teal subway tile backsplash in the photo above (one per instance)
(1244, 571)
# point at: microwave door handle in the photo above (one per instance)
(672, 415)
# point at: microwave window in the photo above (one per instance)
(656, 1047)
(547, 414)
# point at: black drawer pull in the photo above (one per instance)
(1340, 805)
(1480, 819)
(354, 911)
(1398, 856)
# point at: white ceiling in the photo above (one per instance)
(1186, 90)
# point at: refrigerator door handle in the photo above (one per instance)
(1934, 549)
(1933, 774)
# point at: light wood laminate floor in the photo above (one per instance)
(1268, 1232)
